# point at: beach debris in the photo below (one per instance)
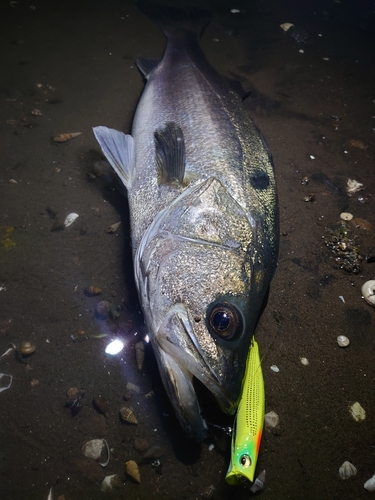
(27, 349)
(101, 405)
(343, 341)
(353, 186)
(128, 416)
(275, 368)
(13, 181)
(106, 462)
(132, 470)
(347, 470)
(5, 381)
(370, 484)
(140, 354)
(113, 228)
(209, 492)
(259, 482)
(93, 449)
(271, 419)
(70, 219)
(357, 412)
(75, 401)
(304, 361)
(36, 112)
(346, 216)
(11, 349)
(66, 137)
(286, 26)
(92, 291)
(132, 387)
(102, 309)
(110, 483)
(368, 292)
(357, 143)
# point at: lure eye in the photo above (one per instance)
(245, 461)
(225, 321)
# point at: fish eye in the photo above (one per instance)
(245, 461)
(225, 321)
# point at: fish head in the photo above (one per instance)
(201, 283)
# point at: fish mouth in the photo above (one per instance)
(181, 359)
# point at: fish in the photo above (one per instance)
(204, 218)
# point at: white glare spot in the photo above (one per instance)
(114, 347)
(147, 339)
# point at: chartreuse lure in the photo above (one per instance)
(248, 427)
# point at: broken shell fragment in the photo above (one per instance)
(27, 348)
(113, 228)
(370, 484)
(347, 470)
(357, 412)
(132, 470)
(70, 219)
(353, 186)
(346, 216)
(36, 112)
(271, 419)
(66, 137)
(93, 449)
(5, 381)
(286, 26)
(91, 291)
(110, 483)
(259, 482)
(343, 341)
(368, 292)
(140, 354)
(128, 416)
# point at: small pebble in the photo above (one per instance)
(275, 368)
(312, 157)
(301, 51)
(305, 361)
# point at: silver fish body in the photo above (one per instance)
(204, 219)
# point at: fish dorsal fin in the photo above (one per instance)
(170, 154)
(119, 151)
(146, 66)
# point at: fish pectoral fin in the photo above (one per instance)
(170, 154)
(146, 66)
(119, 150)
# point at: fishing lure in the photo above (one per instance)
(248, 426)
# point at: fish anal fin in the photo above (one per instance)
(170, 154)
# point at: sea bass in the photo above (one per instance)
(204, 219)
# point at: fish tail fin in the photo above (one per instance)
(174, 21)
(119, 151)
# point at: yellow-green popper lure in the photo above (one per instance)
(248, 427)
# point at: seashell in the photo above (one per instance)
(101, 405)
(27, 348)
(66, 137)
(259, 482)
(286, 26)
(275, 368)
(132, 470)
(70, 219)
(110, 483)
(347, 470)
(36, 112)
(91, 291)
(13, 181)
(72, 392)
(346, 216)
(304, 361)
(104, 464)
(113, 228)
(368, 292)
(140, 445)
(357, 412)
(343, 341)
(140, 354)
(128, 416)
(209, 492)
(370, 484)
(93, 449)
(271, 419)
(353, 186)
(102, 309)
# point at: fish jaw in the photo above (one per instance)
(180, 359)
